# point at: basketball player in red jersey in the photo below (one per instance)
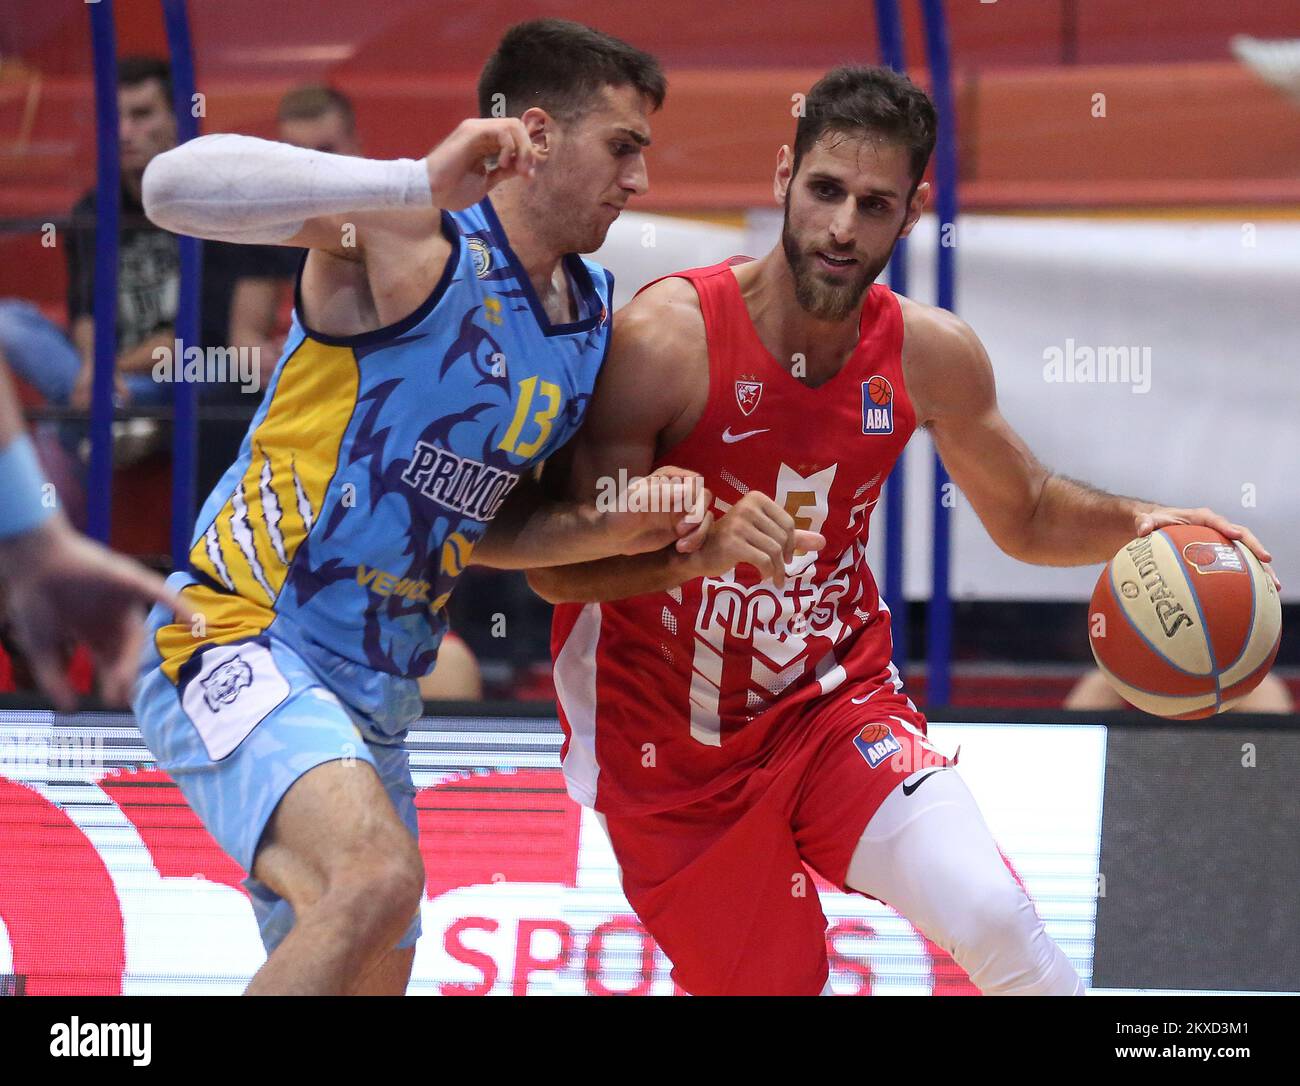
(734, 714)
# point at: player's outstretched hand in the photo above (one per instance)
(62, 589)
(756, 532)
(1158, 518)
(668, 506)
(480, 152)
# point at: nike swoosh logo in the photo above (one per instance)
(917, 784)
(862, 701)
(730, 438)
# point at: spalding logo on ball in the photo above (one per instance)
(1184, 622)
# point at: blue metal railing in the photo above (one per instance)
(939, 612)
(108, 195)
(889, 29)
(185, 430)
(939, 620)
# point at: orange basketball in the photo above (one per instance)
(874, 733)
(1184, 623)
(879, 391)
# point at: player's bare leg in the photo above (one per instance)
(931, 857)
(338, 853)
(389, 976)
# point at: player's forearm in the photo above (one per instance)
(614, 578)
(243, 189)
(533, 528)
(83, 338)
(140, 358)
(534, 531)
(1074, 524)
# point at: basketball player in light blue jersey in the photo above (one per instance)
(444, 344)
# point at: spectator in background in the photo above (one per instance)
(1093, 692)
(320, 118)
(59, 365)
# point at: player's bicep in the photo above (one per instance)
(988, 461)
(632, 403)
(351, 234)
(330, 233)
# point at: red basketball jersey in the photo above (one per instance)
(669, 697)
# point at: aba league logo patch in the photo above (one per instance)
(1213, 558)
(877, 406)
(222, 687)
(875, 743)
(748, 394)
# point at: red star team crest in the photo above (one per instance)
(748, 394)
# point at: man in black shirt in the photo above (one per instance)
(60, 366)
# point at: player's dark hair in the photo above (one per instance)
(853, 99)
(315, 100)
(562, 66)
(134, 70)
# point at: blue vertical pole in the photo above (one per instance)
(185, 429)
(939, 631)
(889, 29)
(108, 195)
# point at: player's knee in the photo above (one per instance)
(376, 901)
(994, 923)
(1001, 942)
(374, 892)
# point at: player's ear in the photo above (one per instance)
(541, 128)
(914, 207)
(784, 173)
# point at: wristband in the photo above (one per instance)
(22, 489)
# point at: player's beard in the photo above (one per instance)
(816, 297)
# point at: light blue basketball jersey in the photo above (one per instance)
(377, 461)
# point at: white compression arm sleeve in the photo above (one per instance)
(240, 188)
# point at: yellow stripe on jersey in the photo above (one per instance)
(294, 454)
(224, 618)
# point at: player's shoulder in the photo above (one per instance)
(944, 363)
(672, 295)
(658, 349)
(667, 310)
(933, 329)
